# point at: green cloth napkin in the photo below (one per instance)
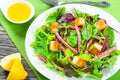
(17, 32)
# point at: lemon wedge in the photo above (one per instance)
(17, 71)
(7, 62)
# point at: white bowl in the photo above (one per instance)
(5, 4)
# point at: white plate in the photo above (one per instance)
(53, 75)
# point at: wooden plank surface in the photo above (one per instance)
(7, 47)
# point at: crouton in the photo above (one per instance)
(54, 46)
(100, 24)
(54, 27)
(78, 62)
(79, 21)
(96, 48)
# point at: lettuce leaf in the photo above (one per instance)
(72, 41)
(54, 16)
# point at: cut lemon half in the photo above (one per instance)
(17, 71)
(7, 62)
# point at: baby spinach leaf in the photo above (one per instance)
(109, 32)
(73, 33)
(87, 32)
(72, 40)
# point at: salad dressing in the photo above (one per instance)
(19, 12)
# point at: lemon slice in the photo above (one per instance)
(7, 62)
(17, 71)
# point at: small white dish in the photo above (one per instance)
(5, 4)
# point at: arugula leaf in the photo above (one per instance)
(96, 72)
(77, 14)
(97, 64)
(78, 73)
(113, 59)
(95, 18)
(69, 53)
(59, 12)
(65, 27)
(51, 66)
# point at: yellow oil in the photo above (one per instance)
(19, 12)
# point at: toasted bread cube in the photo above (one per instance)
(54, 27)
(100, 24)
(96, 48)
(79, 21)
(54, 46)
(78, 62)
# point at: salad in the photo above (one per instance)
(75, 43)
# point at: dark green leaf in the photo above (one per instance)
(108, 31)
(112, 59)
(73, 33)
(87, 32)
(72, 41)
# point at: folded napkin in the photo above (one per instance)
(17, 32)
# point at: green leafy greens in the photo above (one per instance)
(65, 59)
